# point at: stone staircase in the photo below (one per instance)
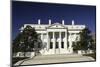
(56, 58)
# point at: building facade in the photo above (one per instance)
(57, 38)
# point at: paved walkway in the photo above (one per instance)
(54, 59)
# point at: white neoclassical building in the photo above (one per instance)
(57, 38)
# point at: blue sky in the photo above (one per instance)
(30, 12)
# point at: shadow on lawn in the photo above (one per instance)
(16, 59)
(93, 55)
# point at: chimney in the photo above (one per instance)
(72, 22)
(39, 21)
(49, 21)
(63, 22)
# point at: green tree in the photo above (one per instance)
(27, 40)
(93, 43)
(85, 39)
(76, 46)
(16, 43)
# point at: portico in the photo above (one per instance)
(57, 40)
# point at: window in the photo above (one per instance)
(56, 35)
(51, 45)
(50, 35)
(62, 44)
(68, 44)
(62, 35)
(57, 45)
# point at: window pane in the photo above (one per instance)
(57, 45)
(51, 45)
(62, 44)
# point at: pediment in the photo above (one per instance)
(56, 25)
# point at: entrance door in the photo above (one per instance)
(57, 51)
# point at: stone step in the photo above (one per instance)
(55, 59)
(60, 56)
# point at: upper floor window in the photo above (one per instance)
(56, 35)
(62, 35)
(51, 35)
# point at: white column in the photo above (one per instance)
(65, 44)
(59, 40)
(54, 42)
(70, 41)
(42, 36)
(70, 45)
(48, 43)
